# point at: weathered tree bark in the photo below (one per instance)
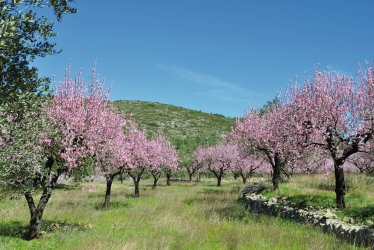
(109, 182)
(244, 178)
(218, 175)
(136, 178)
(339, 185)
(276, 172)
(136, 185)
(156, 176)
(168, 177)
(36, 212)
(219, 178)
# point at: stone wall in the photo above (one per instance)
(346, 229)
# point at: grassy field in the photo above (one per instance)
(317, 191)
(182, 216)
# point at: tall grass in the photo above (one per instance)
(182, 216)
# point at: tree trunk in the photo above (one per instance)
(136, 185)
(136, 178)
(339, 185)
(219, 178)
(276, 173)
(156, 175)
(36, 213)
(235, 176)
(35, 224)
(244, 179)
(168, 177)
(121, 177)
(109, 182)
(190, 176)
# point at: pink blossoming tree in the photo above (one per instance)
(218, 159)
(335, 113)
(246, 166)
(166, 161)
(137, 147)
(268, 133)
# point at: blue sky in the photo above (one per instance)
(211, 55)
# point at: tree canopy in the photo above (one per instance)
(25, 34)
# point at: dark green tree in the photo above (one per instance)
(24, 36)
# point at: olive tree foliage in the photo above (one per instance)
(29, 145)
(26, 144)
(25, 35)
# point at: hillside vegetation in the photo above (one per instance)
(186, 128)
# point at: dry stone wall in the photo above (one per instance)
(346, 229)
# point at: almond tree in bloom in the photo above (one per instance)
(203, 159)
(246, 166)
(138, 162)
(218, 159)
(43, 141)
(90, 126)
(170, 163)
(335, 113)
(199, 162)
(268, 133)
(166, 161)
(155, 156)
(110, 153)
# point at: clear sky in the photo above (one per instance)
(217, 56)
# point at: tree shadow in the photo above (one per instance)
(213, 191)
(14, 229)
(302, 200)
(234, 211)
(74, 186)
(112, 205)
(17, 229)
(218, 191)
(360, 213)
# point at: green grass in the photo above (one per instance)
(182, 216)
(317, 191)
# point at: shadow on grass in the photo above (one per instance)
(101, 195)
(213, 191)
(303, 201)
(112, 205)
(68, 187)
(13, 229)
(218, 191)
(234, 211)
(17, 229)
(360, 213)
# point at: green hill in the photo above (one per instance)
(186, 128)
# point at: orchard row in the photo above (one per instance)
(324, 125)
